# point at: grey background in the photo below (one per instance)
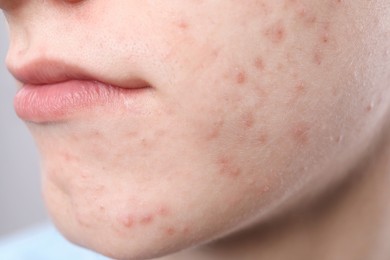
(20, 196)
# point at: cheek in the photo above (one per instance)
(286, 100)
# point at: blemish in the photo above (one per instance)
(300, 89)
(241, 78)
(276, 33)
(163, 211)
(263, 138)
(127, 221)
(317, 58)
(215, 130)
(227, 168)
(300, 133)
(183, 25)
(259, 63)
(147, 219)
(186, 231)
(325, 38)
(170, 231)
(369, 107)
(249, 119)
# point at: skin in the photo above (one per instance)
(258, 112)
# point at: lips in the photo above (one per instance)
(53, 92)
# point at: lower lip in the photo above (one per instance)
(61, 101)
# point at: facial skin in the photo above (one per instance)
(251, 104)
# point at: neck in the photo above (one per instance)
(349, 223)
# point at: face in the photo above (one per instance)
(225, 110)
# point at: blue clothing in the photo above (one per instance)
(43, 243)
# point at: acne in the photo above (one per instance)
(298, 91)
(183, 25)
(164, 211)
(227, 167)
(170, 231)
(276, 33)
(241, 78)
(147, 219)
(259, 64)
(263, 138)
(128, 221)
(215, 131)
(249, 120)
(300, 133)
(317, 57)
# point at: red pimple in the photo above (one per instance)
(128, 222)
(300, 132)
(164, 211)
(263, 138)
(170, 231)
(186, 230)
(215, 130)
(317, 58)
(249, 120)
(276, 33)
(183, 25)
(241, 78)
(259, 64)
(147, 219)
(227, 168)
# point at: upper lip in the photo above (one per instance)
(51, 71)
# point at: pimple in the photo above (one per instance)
(170, 231)
(215, 130)
(369, 107)
(249, 120)
(317, 58)
(276, 33)
(183, 25)
(263, 138)
(227, 167)
(186, 231)
(300, 89)
(147, 219)
(300, 133)
(241, 77)
(128, 221)
(164, 211)
(259, 64)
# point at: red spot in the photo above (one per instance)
(259, 64)
(317, 58)
(147, 219)
(170, 231)
(249, 120)
(325, 38)
(127, 221)
(164, 211)
(276, 33)
(227, 168)
(186, 230)
(215, 130)
(241, 78)
(263, 138)
(369, 108)
(183, 25)
(300, 132)
(299, 89)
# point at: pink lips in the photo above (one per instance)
(54, 92)
(56, 102)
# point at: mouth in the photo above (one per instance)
(54, 92)
(61, 101)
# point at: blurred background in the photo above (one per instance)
(21, 205)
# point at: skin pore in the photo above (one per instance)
(262, 134)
